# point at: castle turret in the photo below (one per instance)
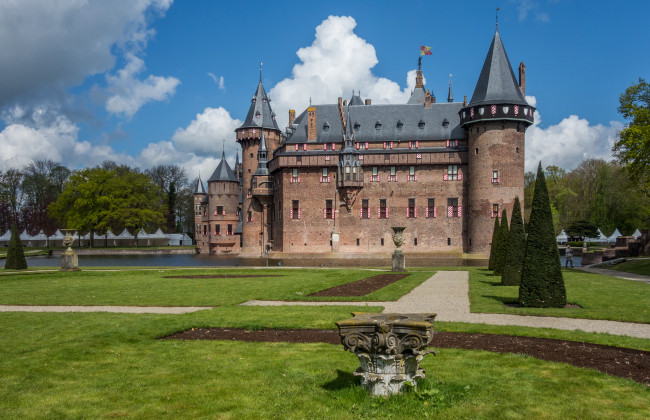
(495, 120)
(199, 196)
(260, 119)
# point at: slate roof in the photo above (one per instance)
(417, 96)
(223, 171)
(379, 123)
(198, 188)
(260, 111)
(497, 83)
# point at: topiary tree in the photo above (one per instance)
(516, 246)
(493, 246)
(15, 254)
(542, 284)
(502, 244)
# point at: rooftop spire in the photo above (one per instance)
(450, 97)
(260, 106)
(497, 21)
(198, 188)
(261, 69)
(262, 156)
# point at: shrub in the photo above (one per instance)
(15, 254)
(542, 284)
(502, 247)
(516, 245)
(493, 245)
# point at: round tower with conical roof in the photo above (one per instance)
(495, 121)
(260, 118)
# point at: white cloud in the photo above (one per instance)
(129, 94)
(337, 62)
(569, 142)
(218, 80)
(204, 135)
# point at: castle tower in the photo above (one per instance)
(495, 121)
(199, 197)
(222, 213)
(260, 118)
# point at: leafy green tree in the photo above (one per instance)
(495, 241)
(516, 246)
(15, 254)
(542, 284)
(502, 244)
(633, 146)
(42, 183)
(582, 229)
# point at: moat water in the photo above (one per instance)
(191, 260)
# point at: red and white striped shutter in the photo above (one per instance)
(391, 144)
(499, 214)
(325, 146)
(447, 143)
(492, 215)
(450, 211)
(384, 145)
(328, 178)
(291, 179)
(407, 212)
(395, 177)
(378, 212)
(460, 211)
(324, 213)
(304, 146)
(426, 212)
(291, 213)
(321, 178)
(417, 144)
(416, 177)
(418, 156)
(445, 177)
(378, 178)
(435, 211)
(357, 146)
(366, 145)
(410, 144)
(369, 212)
(297, 147)
(333, 212)
(223, 212)
(386, 212)
(299, 212)
(460, 177)
(415, 212)
(456, 143)
(298, 179)
(361, 213)
(327, 157)
(333, 146)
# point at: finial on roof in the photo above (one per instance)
(450, 97)
(420, 63)
(310, 101)
(260, 71)
(497, 20)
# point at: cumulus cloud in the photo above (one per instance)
(128, 93)
(569, 142)
(205, 133)
(337, 62)
(49, 46)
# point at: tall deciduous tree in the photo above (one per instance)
(516, 246)
(42, 183)
(542, 284)
(582, 229)
(495, 242)
(502, 244)
(15, 255)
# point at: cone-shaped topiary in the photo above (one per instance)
(516, 246)
(502, 245)
(494, 245)
(542, 284)
(15, 254)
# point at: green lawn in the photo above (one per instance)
(640, 266)
(99, 365)
(600, 297)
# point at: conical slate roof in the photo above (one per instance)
(260, 111)
(198, 188)
(497, 83)
(223, 171)
(356, 100)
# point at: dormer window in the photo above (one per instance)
(399, 124)
(326, 126)
(421, 124)
(257, 114)
(357, 125)
(445, 123)
(273, 115)
(378, 125)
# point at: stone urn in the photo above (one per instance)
(69, 259)
(398, 260)
(390, 348)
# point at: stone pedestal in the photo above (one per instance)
(390, 348)
(399, 262)
(69, 261)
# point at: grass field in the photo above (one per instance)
(640, 266)
(99, 365)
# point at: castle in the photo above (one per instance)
(342, 174)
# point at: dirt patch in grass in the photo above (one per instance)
(362, 287)
(615, 361)
(222, 276)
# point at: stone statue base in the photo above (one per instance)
(385, 375)
(69, 261)
(399, 262)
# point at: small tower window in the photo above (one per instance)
(476, 151)
(326, 126)
(421, 124)
(445, 123)
(378, 125)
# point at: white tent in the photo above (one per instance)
(636, 234)
(4, 239)
(615, 235)
(601, 238)
(562, 238)
(25, 238)
(124, 239)
(158, 239)
(179, 239)
(56, 239)
(40, 239)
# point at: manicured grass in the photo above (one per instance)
(640, 266)
(600, 297)
(110, 365)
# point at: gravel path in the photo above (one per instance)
(446, 293)
(116, 309)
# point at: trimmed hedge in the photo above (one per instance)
(15, 254)
(542, 284)
(516, 246)
(494, 244)
(502, 246)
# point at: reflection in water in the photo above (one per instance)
(193, 260)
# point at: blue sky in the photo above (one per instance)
(147, 82)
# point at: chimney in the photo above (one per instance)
(465, 100)
(292, 116)
(522, 77)
(312, 130)
(345, 102)
(368, 102)
(427, 99)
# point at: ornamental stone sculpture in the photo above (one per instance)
(398, 260)
(390, 348)
(69, 259)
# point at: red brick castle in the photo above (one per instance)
(342, 174)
